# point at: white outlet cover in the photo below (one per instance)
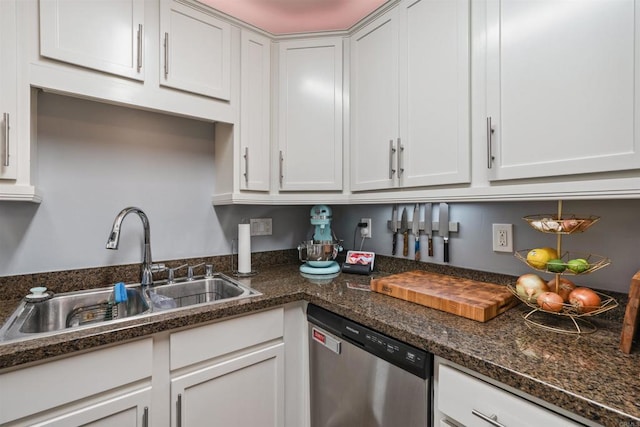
(507, 244)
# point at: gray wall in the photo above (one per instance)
(615, 236)
(95, 159)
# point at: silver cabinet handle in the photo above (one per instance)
(145, 417)
(281, 168)
(139, 47)
(246, 164)
(392, 152)
(166, 55)
(490, 131)
(179, 410)
(400, 159)
(491, 419)
(6, 138)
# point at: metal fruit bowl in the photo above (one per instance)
(318, 254)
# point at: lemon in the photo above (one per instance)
(539, 257)
(556, 265)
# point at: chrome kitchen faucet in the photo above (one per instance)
(114, 238)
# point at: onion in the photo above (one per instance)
(530, 286)
(565, 288)
(584, 300)
(569, 225)
(550, 301)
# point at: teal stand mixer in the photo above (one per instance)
(319, 254)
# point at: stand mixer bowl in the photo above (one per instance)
(318, 254)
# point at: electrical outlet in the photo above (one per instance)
(503, 238)
(260, 226)
(366, 231)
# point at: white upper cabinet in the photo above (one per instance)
(310, 114)
(195, 50)
(374, 104)
(8, 92)
(104, 35)
(410, 97)
(434, 92)
(562, 87)
(255, 110)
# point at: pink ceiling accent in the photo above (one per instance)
(297, 16)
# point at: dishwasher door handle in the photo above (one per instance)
(327, 340)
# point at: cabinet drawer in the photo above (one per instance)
(206, 342)
(37, 388)
(466, 399)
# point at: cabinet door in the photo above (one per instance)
(129, 410)
(195, 50)
(310, 111)
(255, 110)
(8, 79)
(105, 35)
(374, 104)
(562, 87)
(244, 391)
(434, 92)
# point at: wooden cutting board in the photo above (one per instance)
(479, 301)
(630, 323)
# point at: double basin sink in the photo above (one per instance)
(88, 308)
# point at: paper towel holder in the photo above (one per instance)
(234, 270)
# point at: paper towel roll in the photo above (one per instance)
(244, 248)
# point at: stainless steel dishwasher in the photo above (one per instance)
(362, 378)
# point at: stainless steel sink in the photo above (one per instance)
(86, 308)
(213, 289)
(70, 310)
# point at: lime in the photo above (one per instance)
(556, 265)
(578, 265)
(538, 258)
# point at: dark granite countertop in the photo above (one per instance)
(586, 375)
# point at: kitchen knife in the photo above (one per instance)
(428, 227)
(394, 227)
(416, 230)
(404, 229)
(444, 229)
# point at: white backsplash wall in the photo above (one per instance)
(615, 236)
(96, 159)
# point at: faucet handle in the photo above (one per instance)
(190, 270)
(171, 277)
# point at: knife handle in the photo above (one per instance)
(405, 243)
(446, 250)
(394, 248)
(417, 258)
(429, 246)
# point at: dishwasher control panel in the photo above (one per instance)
(405, 356)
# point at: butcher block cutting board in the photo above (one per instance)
(474, 300)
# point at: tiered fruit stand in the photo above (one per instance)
(569, 319)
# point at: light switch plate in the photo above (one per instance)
(261, 226)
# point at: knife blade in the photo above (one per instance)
(428, 227)
(416, 231)
(394, 227)
(444, 229)
(404, 229)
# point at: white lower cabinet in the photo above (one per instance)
(247, 390)
(461, 399)
(107, 387)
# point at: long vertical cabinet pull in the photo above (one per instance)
(166, 55)
(145, 417)
(246, 165)
(392, 153)
(5, 117)
(139, 47)
(281, 168)
(400, 159)
(179, 410)
(490, 131)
